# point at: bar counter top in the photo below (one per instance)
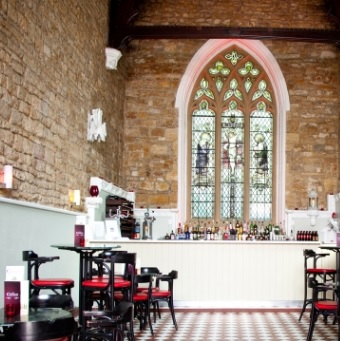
(186, 241)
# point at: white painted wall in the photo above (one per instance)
(26, 226)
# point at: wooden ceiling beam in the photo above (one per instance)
(185, 32)
(124, 12)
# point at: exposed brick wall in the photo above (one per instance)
(266, 13)
(52, 73)
(155, 69)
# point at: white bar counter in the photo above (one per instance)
(229, 274)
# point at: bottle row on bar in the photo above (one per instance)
(307, 236)
(232, 231)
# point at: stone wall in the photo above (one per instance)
(257, 13)
(52, 73)
(155, 69)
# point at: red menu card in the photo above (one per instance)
(12, 298)
(79, 235)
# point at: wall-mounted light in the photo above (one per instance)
(96, 129)
(6, 177)
(312, 206)
(74, 197)
(112, 58)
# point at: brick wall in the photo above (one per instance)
(52, 73)
(155, 69)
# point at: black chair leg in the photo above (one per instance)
(172, 310)
(313, 318)
(305, 300)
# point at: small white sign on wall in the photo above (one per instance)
(113, 231)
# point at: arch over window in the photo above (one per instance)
(262, 56)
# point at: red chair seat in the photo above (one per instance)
(102, 282)
(140, 297)
(43, 282)
(160, 293)
(326, 305)
(321, 271)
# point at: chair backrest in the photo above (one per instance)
(110, 253)
(318, 287)
(145, 279)
(173, 274)
(169, 278)
(28, 255)
(150, 270)
(34, 262)
(102, 270)
(129, 260)
(311, 254)
(110, 264)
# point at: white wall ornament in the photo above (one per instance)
(96, 129)
(112, 58)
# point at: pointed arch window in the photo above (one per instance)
(232, 118)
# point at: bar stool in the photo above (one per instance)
(310, 256)
(60, 288)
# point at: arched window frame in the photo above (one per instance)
(265, 58)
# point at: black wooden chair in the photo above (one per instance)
(311, 270)
(46, 292)
(321, 306)
(108, 325)
(104, 285)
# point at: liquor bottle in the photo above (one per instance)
(266, 232)
(262, 227)
(172, 235)
(194, 233)
(187, 233)
(208, 233)
(225, 232)
(251, 227)
(179, 230)
(136, 234)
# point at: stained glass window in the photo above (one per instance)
(203, 161)
(232, 118)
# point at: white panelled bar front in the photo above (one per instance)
(229, 274)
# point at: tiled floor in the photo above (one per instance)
(236, 326)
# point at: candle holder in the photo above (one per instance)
(94, 191)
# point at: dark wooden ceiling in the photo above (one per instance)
(124, 12)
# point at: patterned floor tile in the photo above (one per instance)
(236, 326)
